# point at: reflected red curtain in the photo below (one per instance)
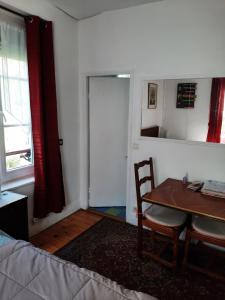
(216, 110)
(48, 190)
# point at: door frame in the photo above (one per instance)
(84, 132)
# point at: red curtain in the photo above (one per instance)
(49, 190)
(216, 110)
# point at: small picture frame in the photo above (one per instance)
(152, 95)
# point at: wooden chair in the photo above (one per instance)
(166, 221)
(205, 230)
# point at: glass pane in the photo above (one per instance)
(13, 50)
(13, 68)
(17, 138)
(18, 161)
(15, 101)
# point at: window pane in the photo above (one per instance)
(18, 161)
(17, 138)
(15, 127)
(15, 68)
(15, 101)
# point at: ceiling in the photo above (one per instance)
(81, 9)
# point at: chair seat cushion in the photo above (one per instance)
(209, 227)
(165, 216)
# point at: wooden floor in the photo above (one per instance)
(58, 235)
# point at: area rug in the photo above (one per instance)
(110, 249)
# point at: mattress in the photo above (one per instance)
(28, 273)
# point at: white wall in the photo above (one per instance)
(66, 61)
(187, 124)
(166, 39)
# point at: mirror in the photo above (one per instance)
(184, 109)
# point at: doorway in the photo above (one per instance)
(108, 143)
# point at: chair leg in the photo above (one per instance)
(175, 249)
(186, 249)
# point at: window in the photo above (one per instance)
(15, 120)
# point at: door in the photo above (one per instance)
(108, 121)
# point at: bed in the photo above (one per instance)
(28, 273)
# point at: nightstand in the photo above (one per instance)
(13, 215)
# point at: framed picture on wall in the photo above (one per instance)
(152, 95)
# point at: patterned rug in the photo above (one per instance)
(109, 248)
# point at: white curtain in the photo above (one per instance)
(14, 74)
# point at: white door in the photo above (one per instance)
(108, 117)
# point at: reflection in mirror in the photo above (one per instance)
(184, 109)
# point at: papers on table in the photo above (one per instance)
(214, 188)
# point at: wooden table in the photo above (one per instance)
(173, 193)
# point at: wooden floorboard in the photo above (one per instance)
(58, 235)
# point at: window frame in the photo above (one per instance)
(15, 174)
(20, 172)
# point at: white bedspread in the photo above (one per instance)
(28, 273)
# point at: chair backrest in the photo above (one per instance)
(139, 181)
